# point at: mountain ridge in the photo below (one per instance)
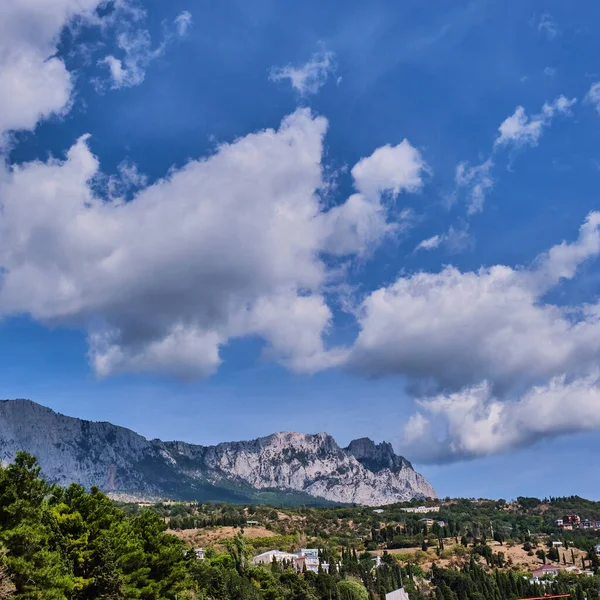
(295, 467)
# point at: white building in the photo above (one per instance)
(398, 594)
(305, 558)
(421, 509)
(266, 558)
(309, 558)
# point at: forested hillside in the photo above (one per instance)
(70, 544)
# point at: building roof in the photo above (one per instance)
(274, 553)
(546, 569)
(398, 594)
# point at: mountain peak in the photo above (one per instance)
(377, 457)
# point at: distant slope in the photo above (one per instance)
(290, 468)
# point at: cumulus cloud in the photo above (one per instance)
(309, 77)
(34, 82)
(363, 220)
(473, 423)
(493, 360)
(390, 169)
(226, 247)
(521, 130)
(454, 329)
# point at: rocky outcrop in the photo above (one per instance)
(118, 460)
(377, 457)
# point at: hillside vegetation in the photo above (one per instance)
(67, 543)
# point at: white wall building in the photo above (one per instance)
(421, 509)
(266, 558)
(309, 558)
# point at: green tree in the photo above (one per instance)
(352, 590)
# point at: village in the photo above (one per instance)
(541, 567)
(307, 559)
(571, 522)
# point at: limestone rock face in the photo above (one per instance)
(296, 466)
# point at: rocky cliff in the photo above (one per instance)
(290, 467)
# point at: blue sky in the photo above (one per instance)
(221, 220)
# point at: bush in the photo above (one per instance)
(352, 590)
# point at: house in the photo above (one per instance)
(252, 523)
(559, 522)
(266, 558)
(199, 553)
(545, 571)
(377, 560)
(398, 594)
(428, 522)
(307, 558)
(378, 511)
(585, 524)
(571, 520)
(441, 523)
(557, 544)
(307, 562)
(596, 524)
(598, 549)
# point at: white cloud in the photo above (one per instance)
(34, 82)
(430, 243)
(225, 247)
(454, 240)
(473, 423)
(307, 78)
(593, 96)
(458, 239)
(548, 26)
(550, 71)
(521, 130)
(478, 180)
(183, 22)
(455, 329)
(115, 187)
(502, 360)
(135, 46)
(517, 131)
(362, 221)
(390, 169)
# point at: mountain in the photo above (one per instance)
(287, 467)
